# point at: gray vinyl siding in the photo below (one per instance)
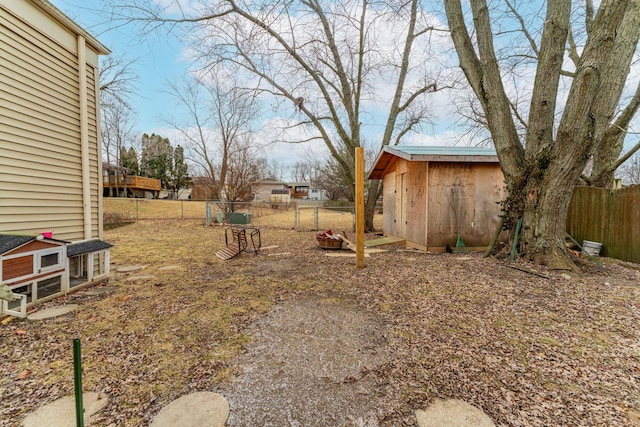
(40, 151)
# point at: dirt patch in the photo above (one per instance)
(527, 345)
(307, 366)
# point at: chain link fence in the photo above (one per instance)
(301, 216)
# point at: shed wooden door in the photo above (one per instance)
(401, 209)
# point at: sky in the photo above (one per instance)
(163, 58)
(159, 60)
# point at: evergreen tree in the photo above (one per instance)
(129, 160)
(180, 171)
(157, 158)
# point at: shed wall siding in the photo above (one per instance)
(40, 164)
(462, 201)
(416, 202)
(389, 204)
(430, 203)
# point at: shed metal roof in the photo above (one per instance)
(426, 153)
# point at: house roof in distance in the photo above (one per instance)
(428, 153)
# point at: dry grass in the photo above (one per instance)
(263, 215)
(527, 350)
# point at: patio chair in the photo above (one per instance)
(237, 241)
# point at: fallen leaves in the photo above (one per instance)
(527, 350)
(24, 374)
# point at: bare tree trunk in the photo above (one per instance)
(541, 178)
(606, 158)
(375, 190)
(544, 223)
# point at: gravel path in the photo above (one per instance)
(307, 366)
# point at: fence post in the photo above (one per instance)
(181, 209)
(77, 383)
(353, 219)
(297, 216)
(315, 217)
(137, 216)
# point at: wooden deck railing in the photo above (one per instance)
(132, 182)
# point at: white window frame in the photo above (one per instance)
(22, 312)
(42, 253)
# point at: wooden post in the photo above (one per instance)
(359, 207)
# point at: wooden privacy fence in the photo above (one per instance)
(608, 217)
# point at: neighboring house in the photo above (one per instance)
(299, 190)
(433, 194)
(262, 190)
(317, 193)
(306, 191)
(50, 168)
(271, 190)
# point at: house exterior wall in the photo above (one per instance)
(49, 126)
(262, 190)
(429, 203)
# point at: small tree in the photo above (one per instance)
(218, 135)
(129, 160)
(630, 170)
(117, 82)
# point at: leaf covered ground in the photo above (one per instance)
(526, 349)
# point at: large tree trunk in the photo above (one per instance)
(375, 189)
(540, 181)
(543, 224)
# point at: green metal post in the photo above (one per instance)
(77, 376)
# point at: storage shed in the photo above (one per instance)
(432, 195)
